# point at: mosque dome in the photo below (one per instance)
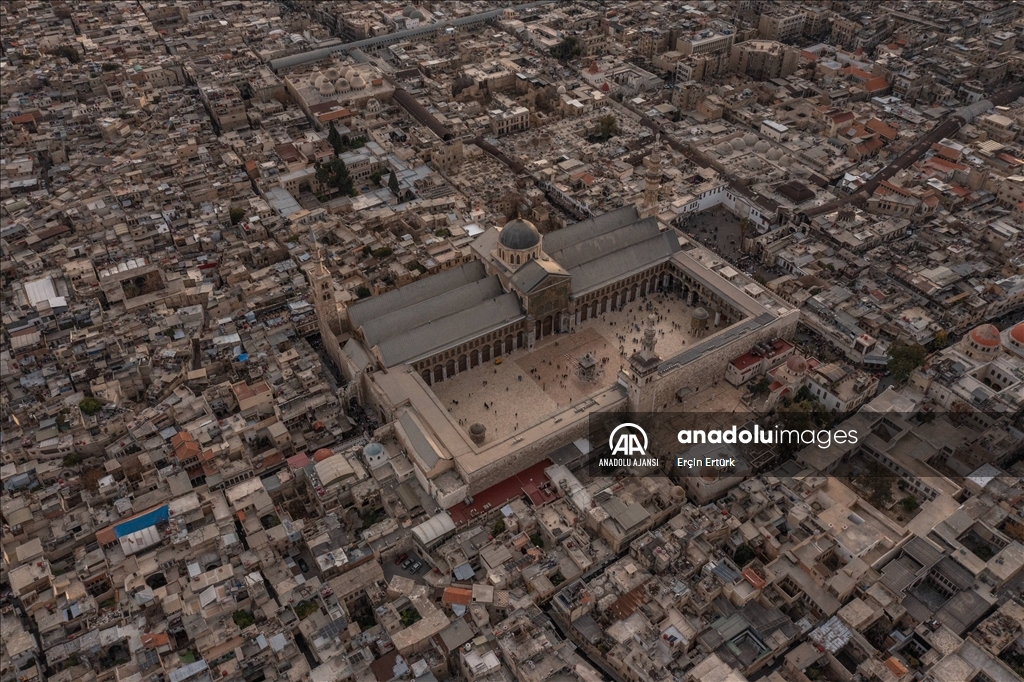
(357, 82)
(332, 73)
(350, 73)
(786, 160)
(774, 154)
(986, 336)
(519, 235)
(561, 89)
(761, 146)
(796, 365)
(408, 11)
(724, 149)
(1017, 334)
(750, 139)
(326, 88)
(341, 85)
(318, 81)
(753, 163)
(417, 15)
(699, 314)
(322, 454)
(738, 144)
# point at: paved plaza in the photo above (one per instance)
(528, 386)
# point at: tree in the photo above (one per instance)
(743, 555)
(243, 618)
(909, 504)
(462, 82)
(304, 608)
(537, 540)
(236, 215)
(362, 292)
(377, 176)
(904, 358)
(334, 139)
(334, 176)
(567, 49)
(393, 185)
(941, 339)
(90, 406)
(608, 126)
(761, 386)
(499, 527)
(69, 53)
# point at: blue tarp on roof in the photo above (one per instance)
(145, 521)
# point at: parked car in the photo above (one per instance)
(400, 558)
(302, 564)
(406, 563)
(415, 568)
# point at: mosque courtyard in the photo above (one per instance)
(527, 387)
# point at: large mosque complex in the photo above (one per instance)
(484, 369)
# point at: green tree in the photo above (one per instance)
(362, 292)
(567, 49)
(393, 185)
(69, 53)
(608, 126)
(377, 176)
(941, 339)
(909, 504)
(537, 539)
(236, 215)
(304, 609)
(499, 527)
(743, 555)
(409, 616)
(334, 139)
(760, 386)
(334, 176)
(90, 406)
(243, 618)
(904, 358)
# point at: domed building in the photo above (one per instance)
(982, 343)
(1014, 341)
(519, 242)
(796, 365)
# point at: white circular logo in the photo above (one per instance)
(628, 443)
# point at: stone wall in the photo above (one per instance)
(534, 452)
(660, 394)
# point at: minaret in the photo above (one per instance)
(647, 345)
(652, 180)
(642, 367)
(322, 284)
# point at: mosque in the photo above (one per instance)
(530, 300)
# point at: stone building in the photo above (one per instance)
(523, 289)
